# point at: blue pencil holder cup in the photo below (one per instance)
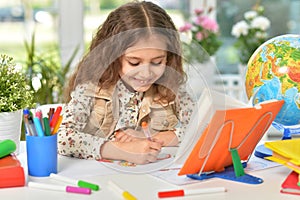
(41, 155)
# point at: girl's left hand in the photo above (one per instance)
(121, 136)
(130, 135)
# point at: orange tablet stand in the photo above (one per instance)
(231, 135)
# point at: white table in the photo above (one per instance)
(146, 186)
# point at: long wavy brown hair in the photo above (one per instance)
(121, 30)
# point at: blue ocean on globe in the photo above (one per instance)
(289, 114)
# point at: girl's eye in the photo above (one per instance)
(156, 63)
(133, 63)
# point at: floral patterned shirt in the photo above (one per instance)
(130, 103)
(74, 142)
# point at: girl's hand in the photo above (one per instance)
(121, 136)
(128, 135)
(137, 151)
(140, 151)
(165, 138)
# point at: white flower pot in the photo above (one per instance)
(10, 127)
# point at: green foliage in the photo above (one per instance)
(14, 90)
(194, 52)
(46, 69)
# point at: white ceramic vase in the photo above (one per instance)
(10, 127)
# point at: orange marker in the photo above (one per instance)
(54, 131)
(55, 118)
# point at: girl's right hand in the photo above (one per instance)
(136, 151)
(140, 151)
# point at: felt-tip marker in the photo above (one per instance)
(180, 193)
(38, 126)
(146, 130)
(79, 183)
(55, 117)
(125, 194)
(61, 188)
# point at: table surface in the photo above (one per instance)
(146, 186)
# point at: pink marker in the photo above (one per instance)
(39, 114)
(61, 188)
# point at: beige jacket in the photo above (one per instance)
(105, 114)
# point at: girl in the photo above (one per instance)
(132, 74)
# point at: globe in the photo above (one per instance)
(273, 72)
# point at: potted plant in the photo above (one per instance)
(200, 42)
(204, 37)
(15, 95)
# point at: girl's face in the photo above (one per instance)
(144, 63)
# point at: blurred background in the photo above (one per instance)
(46, 38)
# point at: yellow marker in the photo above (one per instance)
(57, 125)
(126, 195)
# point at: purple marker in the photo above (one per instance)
(61, 188)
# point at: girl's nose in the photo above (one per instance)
(145, 71)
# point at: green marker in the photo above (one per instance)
(7, 147)
(79, 183)
(47, 126)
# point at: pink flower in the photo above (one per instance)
(198, 20)
(198, 11)
(203, 31)
(199, 36)
(209, 24)
(185, 28)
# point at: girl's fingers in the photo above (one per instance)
(155, 145)
(158, 141)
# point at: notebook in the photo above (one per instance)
(11, 172)
(289, 185)
(285, 152)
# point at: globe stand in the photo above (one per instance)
(261, 151)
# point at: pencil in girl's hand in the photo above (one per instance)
(146, 130)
